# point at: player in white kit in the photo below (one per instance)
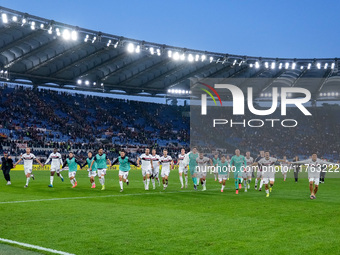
(268, 171)
(248, 171)
(314, 166)
(182, 168)
(167, 163)
(56, 163)
(28, 164)
(145, 162)
(284, 168)
(202, 169)
(155, 168)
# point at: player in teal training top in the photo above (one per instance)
(93, 171)
(71, 162)
(193, 155)
(124, 168)
(101, 160)
(215, 161)
(237, 164)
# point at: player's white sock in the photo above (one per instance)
(72, 182)
(204, 182)
(103, 180)
(261, 184)
(147, 183)
(186, 180)
(121, 184)
(245, 183)
(256, 181)
(144, 181)
(51, 180)
(181, 180)
(159, 183)
(267, 191)
(61, 177)
(223, 187)
(153, 183)
(28, 180)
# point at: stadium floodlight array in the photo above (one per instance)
(179, 91)
(74, 33)
(4, 74)
(329, 94)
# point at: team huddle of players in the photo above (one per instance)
(242, 168)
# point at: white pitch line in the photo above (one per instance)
(122, 195)
(34, 247)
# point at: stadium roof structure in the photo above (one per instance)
(49, 53)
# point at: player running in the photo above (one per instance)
(182, 168)
(215, 161)
(101, 159)
(190, 159)
(93, 171)
(167, 164)
(155, 168)
(259, 171)
(223, 171)
(247, 173)
(284, 168)
(72, 162)
(314, 167)
(56, 162)
(237, 164)
(202, 165)
(124, 168)
(268, 171)
(147, 166)
(28, 164)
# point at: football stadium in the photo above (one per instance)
(117, 145)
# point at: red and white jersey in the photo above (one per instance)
(268, 164)
(284, 163)
(146, 161)
(165, 161)
(56, 160)
(155, 159)
(28, 160)
(249, 161)
(181, 162)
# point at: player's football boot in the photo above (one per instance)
(50, 185)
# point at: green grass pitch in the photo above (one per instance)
(91, 221)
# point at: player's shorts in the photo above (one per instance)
(182, 169)
(246, 175)
(315, 180)
(155, 172)
(92, 173)
(72, 174)
(124, 174)
(200, 174)
(55, 169)
(238, 175)
(222, 177)
(259, 174)
(192, 169)
(146, 172)
(28, 171)
(165, 172)
(101, 171)
(267, 180)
